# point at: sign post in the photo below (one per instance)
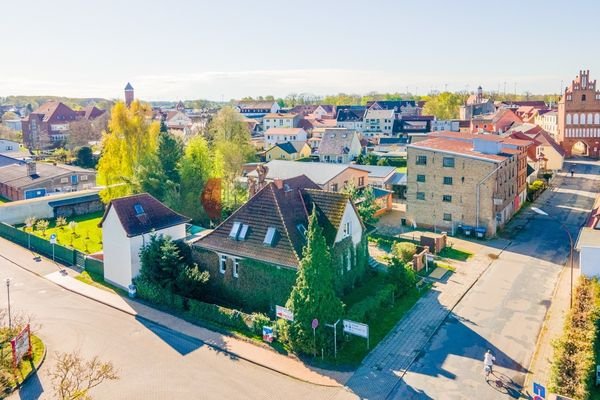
(284, 313)
(357, 329)
(268, 334)
(334, 326)
(53, 242)
(314, 324)
(539, 391)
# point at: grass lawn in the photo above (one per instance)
(98, 281)
(455, 254)
(87, 237)
(4, 200)
(27, 366)
(354, 350)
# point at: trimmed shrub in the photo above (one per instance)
(258, 321)
(404, 251)
(401, 277)
(370, 307)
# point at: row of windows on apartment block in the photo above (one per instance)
(284, 138)
(576, 119)
(448, 162)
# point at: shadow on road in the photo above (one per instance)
(181, 343)
(504, 384)
(32, 390)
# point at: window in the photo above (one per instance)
(420, 195)
(243, 232)
(361, 181)
(347, 229)
(64, 180)
(222, 264)
(447, 217)
(420, 178)
(334, 187)
(73, 179)
(270, 236)
(83, 177)
(236, 268)
(583, 97)
(138, 209)
(235, 230)
(421, 160)
(348, 260)
(447, 198)
(447, 180)
(448, 162)
(302, 229)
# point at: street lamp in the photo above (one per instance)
(542, 212)
(7, 280)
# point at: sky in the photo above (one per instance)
(225, 49)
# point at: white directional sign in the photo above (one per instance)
(356, 328)
(53, 238)
(284, 313)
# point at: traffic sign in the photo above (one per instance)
(53, 238)
(356, 328)
(315, 323)
(539, 391)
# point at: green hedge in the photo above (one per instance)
(198, 311)
(574, 364)
(368, 309)
(396, 161)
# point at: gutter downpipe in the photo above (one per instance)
(478, 187)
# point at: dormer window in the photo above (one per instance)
(243, 232)
(270, 236)
(235, 230)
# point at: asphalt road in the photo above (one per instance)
(505, 309)
(154, 363)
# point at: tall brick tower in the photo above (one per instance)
(579, 117)
(128, 94)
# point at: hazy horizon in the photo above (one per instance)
(221, 51)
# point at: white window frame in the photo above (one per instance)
(222, 263)
(236, 267)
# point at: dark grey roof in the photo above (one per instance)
(128, 87)
(150, 215)
(74, 200)
(5, 160)
(336, 141)
(350, 113)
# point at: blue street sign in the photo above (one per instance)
(539, 390)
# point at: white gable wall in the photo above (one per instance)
(356, 229)
(588, 260)
(116, 249)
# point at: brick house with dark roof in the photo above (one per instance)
(253, 256)
(127, 225)
(49, 124)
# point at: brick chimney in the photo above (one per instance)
(31, 168)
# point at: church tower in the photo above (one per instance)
(128, 94)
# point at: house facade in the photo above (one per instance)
(378, 123)
(275, 136)
(257, 109)
(462, 183)
(549, 122)
(8, 146)
(351, 117)
(20, 180)
(588, 244)
(288, 151)
(254, 255)
(279, 120)
(339, 146)
(127, 225)
(476, 105)
(579, 117)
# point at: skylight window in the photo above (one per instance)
(138, 209)
(302, 229)
(235, 230)
(243, 232)
(270, 236)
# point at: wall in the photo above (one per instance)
(117, 253)
(16, 212)
(347, 176)
(588, 260)
(428, 213)
(350, 216)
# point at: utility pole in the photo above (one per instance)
(7, 280)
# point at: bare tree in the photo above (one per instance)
(73, 377)
(84, 131)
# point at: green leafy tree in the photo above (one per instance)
(313, 295)
(195, 168)
(365, 202)
(84, 157)
(444, 106)
(402, 277)
(404, 251)
(129, 140)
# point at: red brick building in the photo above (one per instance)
(579, 117)
(48, 126)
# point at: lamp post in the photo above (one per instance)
(542, 212)
(7, 280)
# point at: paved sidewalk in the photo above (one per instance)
(382, 368)
(252, 352)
